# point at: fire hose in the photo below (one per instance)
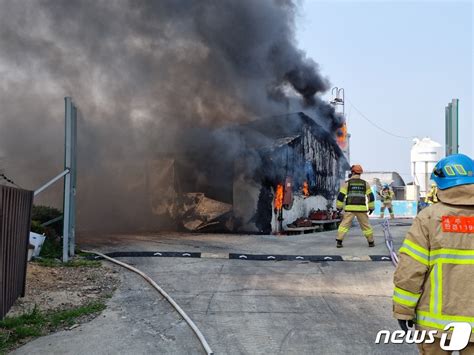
(188, 320)
(389, 242)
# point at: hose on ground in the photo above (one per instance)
(188, 320)
(389, 242)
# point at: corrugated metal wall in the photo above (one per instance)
(15, 219)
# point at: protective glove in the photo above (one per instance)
(371, 211)
(405, 324)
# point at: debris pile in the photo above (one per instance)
(200, 213)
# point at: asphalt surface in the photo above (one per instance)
(242, 306)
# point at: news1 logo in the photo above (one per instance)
(460, 335)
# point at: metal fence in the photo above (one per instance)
(15, 219)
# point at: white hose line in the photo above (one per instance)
(188, 320)
(389, 242)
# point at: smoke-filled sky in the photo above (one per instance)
(141, 73)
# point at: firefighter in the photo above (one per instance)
(431, 196)
(386, 197)
(434, 278)
(353, 197)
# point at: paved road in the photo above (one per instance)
(242, 307)
(306, 244)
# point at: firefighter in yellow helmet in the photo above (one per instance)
(386, 198)
(355, 197)
(431, 196)
(434, 278)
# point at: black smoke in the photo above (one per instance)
(143, 73)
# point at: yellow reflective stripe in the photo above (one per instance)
(440, 321)
(407, 293)
(417, 257)
(343, 229)
(356, 208)
(367, 232)
(439, 288)
(460, 169)
(339, 204)
(452, 261)
(371, 205)
(368, 191)
(432, 291)
(416, 247)
(405, 298)
(449, 170)
(415, 251)
(343, 190)
(404, 302)
(452, 251)
(447, 318)
(451, 256)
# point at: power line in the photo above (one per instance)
(376, 125)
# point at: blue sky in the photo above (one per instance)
(400, 63)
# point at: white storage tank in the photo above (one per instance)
(425, 153)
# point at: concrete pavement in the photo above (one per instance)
(242, 307)
(305, 244)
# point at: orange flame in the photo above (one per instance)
(341, 134)
(305, 189)
(279, 197)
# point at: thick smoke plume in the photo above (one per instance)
(142, 74)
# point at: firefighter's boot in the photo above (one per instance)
(338, 243)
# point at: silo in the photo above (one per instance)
(425, 153)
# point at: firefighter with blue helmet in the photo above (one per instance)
(434, 278)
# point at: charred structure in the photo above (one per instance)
(242, 168)
(298, 157)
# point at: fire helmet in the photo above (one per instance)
(454, 170)
(356, 169)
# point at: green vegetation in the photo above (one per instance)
(37, 227)
(43, 214)
(52, 246)
(15, 330)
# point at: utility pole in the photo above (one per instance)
(69, 174)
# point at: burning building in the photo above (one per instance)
(301, 167)
(280, 167)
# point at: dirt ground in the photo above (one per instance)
(60, 288)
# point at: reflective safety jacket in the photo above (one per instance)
(354, 195)
(434, 280)
(387, 196)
